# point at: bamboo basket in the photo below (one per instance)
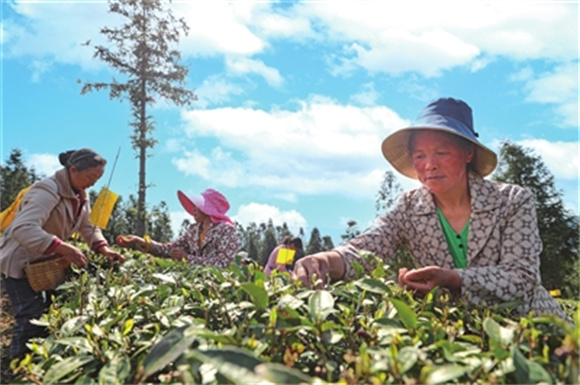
(47, 274)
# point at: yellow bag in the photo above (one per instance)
(7, 216)
(103, 207)
(285, 256)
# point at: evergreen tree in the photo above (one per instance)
(142, 53)
(327, 243)
(117, 222)
(130, 209)
(14, 177)
(160, 223)
(268, 245)
(315, 242)
(558, 227)
(184, 226)
(352, 231)
(388, 192)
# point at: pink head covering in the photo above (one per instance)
(211, 202)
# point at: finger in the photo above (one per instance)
(301, 274)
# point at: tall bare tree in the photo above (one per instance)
(141, 50)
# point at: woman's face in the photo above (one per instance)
(82, 180)
(440, 162)
(199, 215)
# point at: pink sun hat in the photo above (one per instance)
(211, 202)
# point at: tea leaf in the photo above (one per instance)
(115, 371)
(235, 364)
(65, 367)
(258, 294)
(280, 374)
(498, 335)
(445, 374)
(171, 346)
(80, 343)
(373, 286)
(408, 316)
(128, 326)
(407, 357)
(529, 372)
(320, 305)
(165, 278)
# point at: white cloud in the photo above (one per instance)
(262, 213)
(43, 164)
(561, 158)
(216, 90)
(193, 163)
(244, 66)
(401, 51)
(558, 87)
(367, 96)
(312, 150)
(177, 218)
(393, 36)
(386, 36)
(49, 39)
(218, 28)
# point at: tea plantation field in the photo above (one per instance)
(155, 321)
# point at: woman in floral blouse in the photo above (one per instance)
(477, 238)
(211, 240)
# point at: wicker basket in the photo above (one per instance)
(47, 274)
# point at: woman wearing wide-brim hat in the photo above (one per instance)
(474, 237)
(211, 240)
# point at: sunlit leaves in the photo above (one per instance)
(178, 323)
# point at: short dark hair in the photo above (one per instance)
(297, 242)
(82, 159)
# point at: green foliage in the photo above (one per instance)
(159, 226)
(315, 243)
(14, 176)
(388, 192)
(159, 321)
(558, 228)
(352, 231)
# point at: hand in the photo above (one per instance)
(178, 254)
(422, 281)
(127, 240)
(322, 266)
(72, 254)
(111, 255)
(307, 267)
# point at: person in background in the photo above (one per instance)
(476, 238)
(211, 240)
(287, 242)
(49, 213)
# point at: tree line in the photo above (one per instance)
(559, 228)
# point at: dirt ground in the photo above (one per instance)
(6, 324)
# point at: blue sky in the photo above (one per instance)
(295, 98)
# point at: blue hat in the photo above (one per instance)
(447, 115)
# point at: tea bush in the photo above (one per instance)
(158, 321)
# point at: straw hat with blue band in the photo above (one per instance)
(447, 115)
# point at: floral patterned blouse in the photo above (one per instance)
(220, 245)
(503, 247)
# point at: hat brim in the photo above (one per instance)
(395, 149)
(190, 203)
(187, 204)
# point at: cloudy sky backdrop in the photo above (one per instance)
(294, 98)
